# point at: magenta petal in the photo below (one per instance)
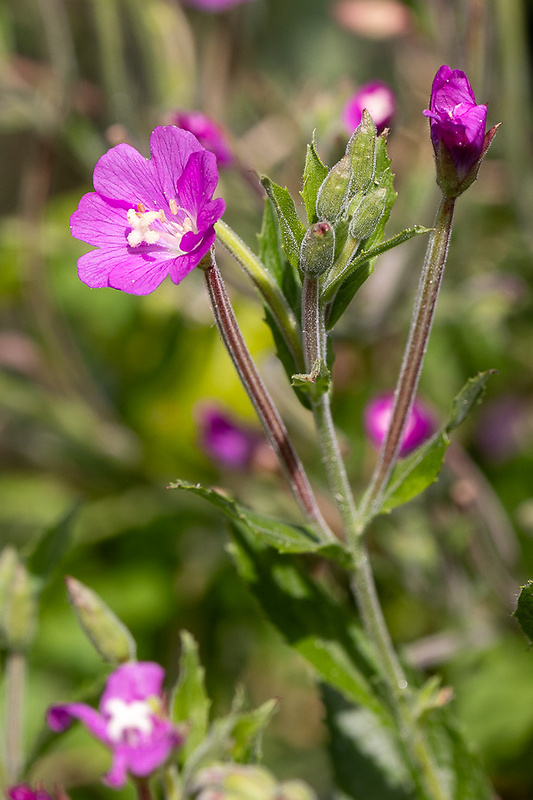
(210, 213)
(136, 272)
(171, 149)
(185, 264)
(199, 180)
(134, 681)
(117, 775)
(151, 752)
(123, 174)
(100, 222)
(59, 718)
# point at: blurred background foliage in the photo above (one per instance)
(100, 391)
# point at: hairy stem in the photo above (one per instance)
(267, 412)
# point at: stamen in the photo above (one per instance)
(173, 206)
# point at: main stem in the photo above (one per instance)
(424, 769)
(15, 690)
(415, 349)
(267, 412)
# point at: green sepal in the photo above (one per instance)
(314, 176)
(282, 537)
(309, 617)
(315, 383)
(524, 610)
(342, 288)
(106, 632)
(189, 702)
(292, 229)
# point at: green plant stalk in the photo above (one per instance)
(257, 392)
(267, 286)
(313, 332)
(401, 697)
(15, 692)
(415, 349)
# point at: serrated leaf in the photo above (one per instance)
(309, 618)
(524, 610)
(416, 472)
(314, 175)
(292, 229)
(366, 757)
(283, 537)
(467, 398)
(189, 701)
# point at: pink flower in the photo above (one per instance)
(24, 792)
(213, 5)
(131, 722)
(379, 101)
(420, 423)
(225, 441)
(209, 134)
(457, 127)
(149, 218)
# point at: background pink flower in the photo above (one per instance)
(421, 423)
(379, 101)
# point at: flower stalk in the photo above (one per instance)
(267, 412)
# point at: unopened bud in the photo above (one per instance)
(361, 153)
(107, 633)
(367, 213)
(330, 199)
(317, 250)
(19, 612)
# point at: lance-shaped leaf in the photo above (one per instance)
(524, 610)
(283, 537)
(51, 547)
(189, 702)
(311, 620)
(314, 175)
(292, 229)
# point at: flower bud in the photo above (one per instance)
(366, 213)
(457, 126)
(19, 611)
(317, 250)
(330, 199)
(420, 423)
(361, 152)
(107, 633)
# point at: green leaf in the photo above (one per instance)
(524, 610)
(315, 383)
(292, 229)
(416, 472)
(189, 702)
(366, 757)
(247, 734)
(269, 244)
(283, 537)
(314, 175)
(51, 547)
(311, 620)
(468, 397)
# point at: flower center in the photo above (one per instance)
(153, 227)
(125, 718)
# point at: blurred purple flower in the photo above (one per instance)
(209, 134)
(131, 722)
(225, 441)
(379, 101)
(457, 127)
(149, 218)
(420, 424)
(214, 5)
(505, 428)
(24, 792)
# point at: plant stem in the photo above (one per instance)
(423, 767)
(143, 789)
(265, 283)
(415, 349)
(15, 691)
(267, 412)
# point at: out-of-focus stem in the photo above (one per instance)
(268, 414)
(424, 311)
(15, 691)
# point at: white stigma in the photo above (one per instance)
(140, 222)
(125, 717)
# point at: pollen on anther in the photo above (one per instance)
(141, 208)
(173, 206)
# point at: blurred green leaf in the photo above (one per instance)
(468, 397)
(292, 229)
(524, 610)
(189, 702)
(314, 175)
(51, 547)
(247, 734)
(309, 618)
(283, 537)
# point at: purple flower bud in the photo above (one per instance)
(379, 101)
(457, 126)
(213, 6)
(209, 134)
(131, 722)
(420, 423)
(230, 444)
